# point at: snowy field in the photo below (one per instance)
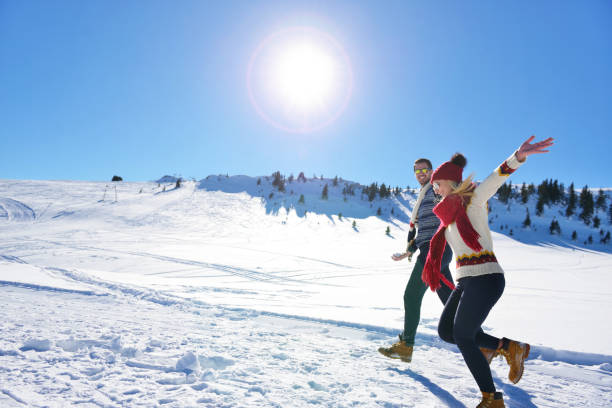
(214, 296)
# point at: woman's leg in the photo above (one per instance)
(480, 293)
(447, 319)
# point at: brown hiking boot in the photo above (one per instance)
(516, 355)
(398, 350)
(489, 354)
(491, 400)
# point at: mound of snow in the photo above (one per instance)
(13, 210)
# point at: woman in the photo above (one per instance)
(480, 279)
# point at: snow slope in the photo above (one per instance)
(216, 294)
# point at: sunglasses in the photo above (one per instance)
(435, 185)
(424, 171)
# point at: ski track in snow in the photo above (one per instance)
(107, 355)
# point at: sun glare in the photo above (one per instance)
(299, 80)
(305, 77)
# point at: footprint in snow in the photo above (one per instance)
(316, 386)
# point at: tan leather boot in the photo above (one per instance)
(516, 355)
(489, 354)
(398, 350)
(491, 400)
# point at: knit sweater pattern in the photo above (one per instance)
(469, 262)
(427, 222)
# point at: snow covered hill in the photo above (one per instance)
(229, 292)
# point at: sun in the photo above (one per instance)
(299, 80)
(305, 77)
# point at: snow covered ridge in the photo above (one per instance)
(330, 197)
(548, 224)
(553, 215)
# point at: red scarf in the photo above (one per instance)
(449, 210)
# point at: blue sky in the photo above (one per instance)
(89, 89)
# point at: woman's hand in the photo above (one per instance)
(528, 149)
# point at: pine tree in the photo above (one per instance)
(290, 179)
(524, 194)
(600, 203)
(555, 192)
(372, 191)
(562, 192)
(324, 193)
(279, 181)
(388, 231)
(527, 221)
(335, 183)
(590, 240)
(571, 201)
(379, 211)
(301, 177)
(504, 192)
(354, 224)
(596, 222)
(554, 227)
(606, 238)
(531, 189)
(259, 181)
(301, 200)
(574, 236)
(587, 205)
(540, 206)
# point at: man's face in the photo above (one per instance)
(422, 172)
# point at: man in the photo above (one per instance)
(426, 224)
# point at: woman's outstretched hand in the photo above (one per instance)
(528, 149)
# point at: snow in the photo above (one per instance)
(216, 294)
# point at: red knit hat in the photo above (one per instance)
(451, 170)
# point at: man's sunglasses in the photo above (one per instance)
(424, 171)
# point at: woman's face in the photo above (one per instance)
(442, 187)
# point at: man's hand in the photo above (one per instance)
(399, 256)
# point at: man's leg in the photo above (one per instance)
(413, 297)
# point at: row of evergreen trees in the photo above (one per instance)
(551, 192)
(371, 192)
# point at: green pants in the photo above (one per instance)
(415, 290)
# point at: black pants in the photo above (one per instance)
(465, 311)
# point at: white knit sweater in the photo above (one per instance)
(470, 263)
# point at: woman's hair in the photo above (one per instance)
(466, 187)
